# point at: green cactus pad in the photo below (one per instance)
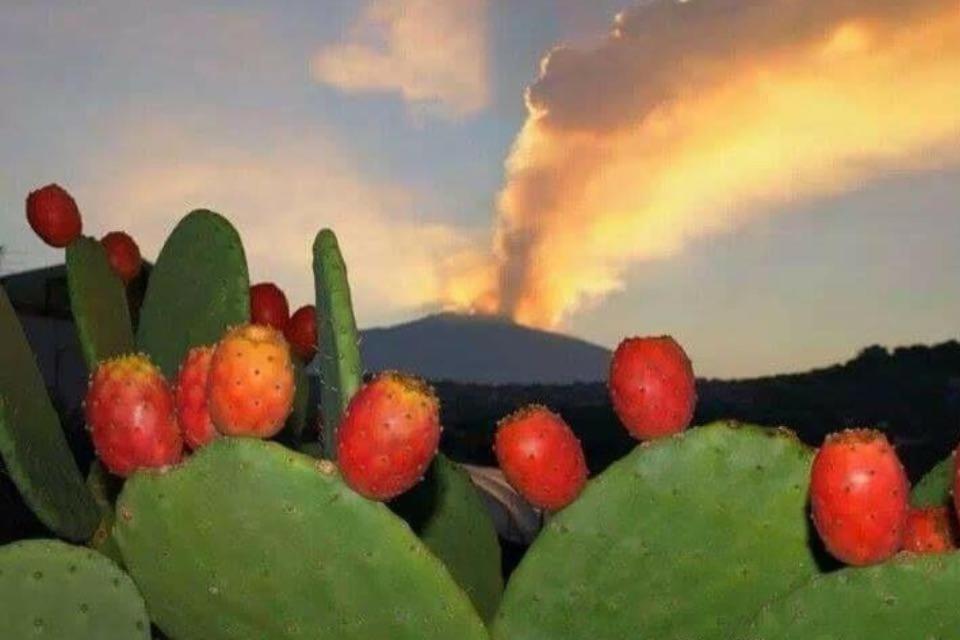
(936, 488)
(98, 302)
(910, 596)
(104, 489)
(339, 345)
(250, 540)
(49, 589)
(448, 514)
(684, 538)
(32, 444)
(198, 287)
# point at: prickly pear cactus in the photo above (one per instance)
(910, 596)
(448, 514)
(32, 444)
(936, 488)
(198, 287)
(49, 589)
(340, 370)
(104, 488)
(98, 302)
(250, 540)
(685, 538)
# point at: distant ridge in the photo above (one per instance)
(482, 349)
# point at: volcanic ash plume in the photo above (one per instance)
(691, 117)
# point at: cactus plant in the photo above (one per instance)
(198, 287)
(49, 589)
(683, 538)
(98, 303)
(32, 444)
(936, 487)
(340, 368)
(908, 597)
(104, 489)
(448, 514)
(248, 539)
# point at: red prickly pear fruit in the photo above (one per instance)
(191, 396)
(130, 414)
(53, 215)
(388, 436)
(652, 387)
(929, 530)
(250, 387)
(858, 496)
(541, 457)
(301, 332)
(268, 306)
(123, 255)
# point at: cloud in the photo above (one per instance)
(278, 195)
(433, 53)
(692, 117)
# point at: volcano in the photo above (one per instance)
(482, 349)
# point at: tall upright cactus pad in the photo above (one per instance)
(448, 514)
(935, 489)
(49, 589)
(32, 443)
(98, 303)
(249, 540)
(910, 596)
(198, 287)
(341, 370)
(683, 538)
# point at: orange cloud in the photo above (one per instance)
(693, 117)
(433, 53)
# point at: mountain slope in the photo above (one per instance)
(482, 349)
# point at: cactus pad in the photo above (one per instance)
(32, 443)
(98, 302)
(339, 344)
(250, 540)
(448, 514)
(198, 287)
(53, 590)
(683, 538)
(910, 596)
(936, 487)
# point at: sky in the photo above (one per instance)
(776, 184)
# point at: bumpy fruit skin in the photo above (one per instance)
(858, 497)
(53, 215)
(123, 255)
(250, 388)
(929, 530)
(388, 436)
(541, 457)
(191, 396)
(268, 306)
(652, 387)
(301, 332)
(130, 414)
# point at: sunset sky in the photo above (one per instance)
(776, 184)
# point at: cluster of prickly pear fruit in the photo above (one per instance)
(695, 534)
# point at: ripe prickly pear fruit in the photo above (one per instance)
(652, 387)
(130, 414)
(301, 332)
(541, 457)
(268, 306)
(388, 436)
(123, 255)
(858, 496)
(191, 397)
(250, 388)
(53, 215)
(929, 530)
